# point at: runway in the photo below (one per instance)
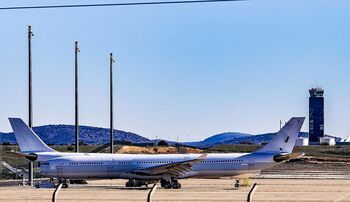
(192, 190)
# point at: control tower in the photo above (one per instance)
(316, 115)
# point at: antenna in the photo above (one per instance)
(280, 124)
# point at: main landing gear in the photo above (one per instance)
(136, 183)
(166, 184)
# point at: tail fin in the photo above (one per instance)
(27, 140)
(285, 139)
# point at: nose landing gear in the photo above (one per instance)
(237, 184)
(245, 182)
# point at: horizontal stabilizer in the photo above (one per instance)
(287, 157)
(30, 157)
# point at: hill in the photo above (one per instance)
(64, 134)
(236, 138)
(217, 139)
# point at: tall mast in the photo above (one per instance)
(76, 50)
(111, 101)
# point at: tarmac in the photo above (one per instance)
(192, 190)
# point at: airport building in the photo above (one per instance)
(302, 142)
(316, 115)
(327, 141)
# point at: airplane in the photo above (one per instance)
(141, 168)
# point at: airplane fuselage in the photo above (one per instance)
(122, 166)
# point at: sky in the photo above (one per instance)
(182, 71)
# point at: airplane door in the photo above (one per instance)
(111, 169)
(248, 165)
(59, 169)
(251, 165)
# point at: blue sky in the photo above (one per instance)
(186, 71)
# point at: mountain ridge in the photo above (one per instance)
(64, 134)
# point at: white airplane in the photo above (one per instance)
(141, 168)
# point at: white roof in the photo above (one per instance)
(346, 139)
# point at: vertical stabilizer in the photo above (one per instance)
(27, 140)
(284, 140)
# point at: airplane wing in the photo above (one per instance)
(174, 169)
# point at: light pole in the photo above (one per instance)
(30, 100)
(76, 50)
(111, 101)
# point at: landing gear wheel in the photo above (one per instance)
(176, 186)
(237, 184)
(173, 184)
(130, 183)
(168, 185)
(162, 183)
